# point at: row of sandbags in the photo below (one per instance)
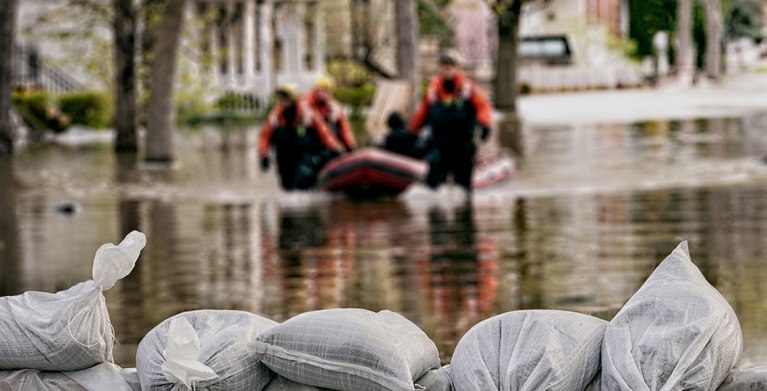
(677, 332)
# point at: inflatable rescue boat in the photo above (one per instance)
(374, 172)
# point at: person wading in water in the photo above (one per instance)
(302, 142)
(321, 100)
(453, 107)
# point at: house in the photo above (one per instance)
(564, 44)
(240, 47)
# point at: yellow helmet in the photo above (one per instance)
(287, 90)
(325, 82)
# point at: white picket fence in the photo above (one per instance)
(578, 78)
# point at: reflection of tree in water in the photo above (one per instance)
(227, 261)
(168, 285)
(10, 251)
(128, 294)
(339, 254)
(294, 268)
(301, 229)
(453, 258)
(127, 298)
(462, 285)
(530, 272)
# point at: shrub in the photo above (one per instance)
(355, 97)
(234, 102)
(348, 73)
(89, 108)
(39, 111)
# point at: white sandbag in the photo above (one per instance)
(181, 353)
(436, 380)
(279, 383)
(676, 332)
(349, 349)
(69, 330)
(205, 349)
(751, 379)
(105, 376)
(595, 384)
(130, 375)
(35, 379)
(529, 351)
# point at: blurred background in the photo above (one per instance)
(633, 125)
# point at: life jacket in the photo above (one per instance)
(325, 108)
(332, 113)
(452, 114)
(297, 136)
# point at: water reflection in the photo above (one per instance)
(593, 210)
(10, 248)
(644, 154)
(332, 254)
(462, 276)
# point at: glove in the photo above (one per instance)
(265, 163)
(485, 133)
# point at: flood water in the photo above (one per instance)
(593, 209)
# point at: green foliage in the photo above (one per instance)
(39, 111)
(195, 90)
(355, 97)
(432, 22)
(647, 18)
(92, 109)
(191, 110)
(223, 119)
(744, 19)
(349, 73)
(85, 39)
(230, 102)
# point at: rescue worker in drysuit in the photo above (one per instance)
(302, 141)
(453, 107)
(321, 100)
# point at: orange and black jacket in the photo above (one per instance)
(452, 114)
(306, 120)
(332, 113)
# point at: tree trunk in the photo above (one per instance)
(7, 30)
(126, 81)
(161, 113)
(407, 44)
(685, 65)
(714, 29)
(360, 27)
(151, 11)
(506, 63)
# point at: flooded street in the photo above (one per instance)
(593, 209)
